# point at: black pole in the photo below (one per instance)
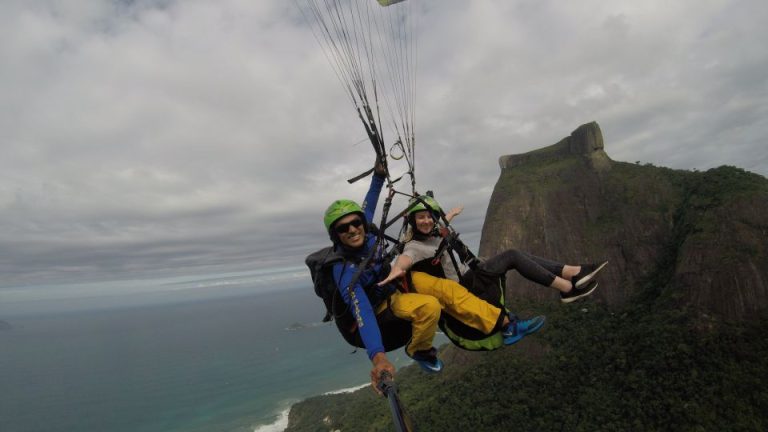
(399, 417)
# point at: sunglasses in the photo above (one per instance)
(343, 228)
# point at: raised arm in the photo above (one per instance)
(453, 213)
(374, 190)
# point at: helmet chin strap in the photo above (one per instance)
(418, 235)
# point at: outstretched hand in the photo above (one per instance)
(394, 273)
(453, 213)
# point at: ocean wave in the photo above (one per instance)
(278, 426)
(347, 390)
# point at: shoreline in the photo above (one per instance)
(347, 390)
(281, 423)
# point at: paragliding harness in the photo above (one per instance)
(483, 284)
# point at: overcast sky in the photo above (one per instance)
(159, 138)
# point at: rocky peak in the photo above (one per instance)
(586, 140)
(701, 235)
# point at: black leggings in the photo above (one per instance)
(531, 267)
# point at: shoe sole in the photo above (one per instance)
(574, 298)
(588, 278)
(424, 365)
(431, 369)
(537, 328)
(512, 339)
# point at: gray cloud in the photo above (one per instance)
(150, 138)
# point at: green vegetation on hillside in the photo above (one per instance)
(636, 369)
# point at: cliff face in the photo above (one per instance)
(701, 238)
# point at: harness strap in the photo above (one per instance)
(445, 246)
(378, 243)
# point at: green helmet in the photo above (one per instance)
(338, 209)
(434, 207)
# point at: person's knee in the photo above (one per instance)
(452, 292)
(514, 255)
(430, 309)
(507, 260)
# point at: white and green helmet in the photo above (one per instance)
(431, 205)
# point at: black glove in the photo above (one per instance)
(379, 169)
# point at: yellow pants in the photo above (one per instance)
(423, 311)
(458, 301)
(422, 308)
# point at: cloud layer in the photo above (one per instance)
(147, 138)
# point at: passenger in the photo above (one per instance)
(420, 257)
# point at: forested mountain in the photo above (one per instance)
(675, 338)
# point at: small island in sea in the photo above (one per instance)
(295, 326)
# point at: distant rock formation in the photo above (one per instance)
(702, 235)
(295, 326)
(5, 325)
(587, 140)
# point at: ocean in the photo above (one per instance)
(224, 355)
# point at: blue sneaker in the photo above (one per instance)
(427, 359)
(517, 328)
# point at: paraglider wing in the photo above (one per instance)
(389, 2)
